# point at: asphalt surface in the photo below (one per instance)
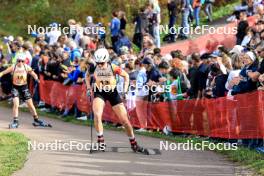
(124, 162)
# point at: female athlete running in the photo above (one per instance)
(105, 89)
(20, 89)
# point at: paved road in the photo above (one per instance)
(81, 163)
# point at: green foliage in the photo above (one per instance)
(16, 15)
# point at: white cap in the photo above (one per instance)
(251, 55)
(89, 19)
(237, 49)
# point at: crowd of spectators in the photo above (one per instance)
(225, 72)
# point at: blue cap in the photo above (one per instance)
(54, 24)
(147, 61)
(216, 54)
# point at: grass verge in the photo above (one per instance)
(13, 152)
(243, 156)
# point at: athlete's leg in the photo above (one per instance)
(15, 123)
(15, 107)
(98, 108)
(32, 108)
(121, 113)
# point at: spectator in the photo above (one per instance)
(141, 79)
(133, 74)
(153, 76)
(197, 4)
(156, 21)
(90, 27)
(1, 52)
(75, 53)
(242, 28)
(209, 9)
(115, 29)
(123, 21)
(172, 10)
(123, 41)
(72, 26)
(139, 20)
(236, 65)
(244, 83)
(54, 34)
(176, 92)
(164, 69)
(201, 75)
(185, 9)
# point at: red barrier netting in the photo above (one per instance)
(241, 116)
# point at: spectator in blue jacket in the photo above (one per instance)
(115, 29)
(244, 83)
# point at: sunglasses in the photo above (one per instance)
(100, 63)
(20, 61)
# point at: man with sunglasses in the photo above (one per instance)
(105, 89)
(20, 89)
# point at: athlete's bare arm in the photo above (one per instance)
(88, 80)
(126, 80)
(34, 75)
(8, 70)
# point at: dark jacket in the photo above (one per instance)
(246, 85)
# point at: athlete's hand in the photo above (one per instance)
(124, 95)
(37, 80)
(1, 74)
(88, 92)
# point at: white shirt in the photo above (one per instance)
(232, 75)
(53, 36)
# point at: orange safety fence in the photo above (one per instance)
(241, 116)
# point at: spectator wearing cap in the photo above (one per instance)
(90, 28)
(54, 34)
(217, 57)
(153, 75)
(244, 83)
